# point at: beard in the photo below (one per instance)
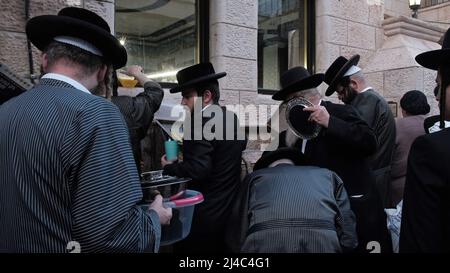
(350, 95)
(99, 90)
(105, 87)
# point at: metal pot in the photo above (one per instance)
(155, 182)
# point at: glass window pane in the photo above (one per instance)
(281, 39)
(160, 35)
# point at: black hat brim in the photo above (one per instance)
(434, 59)
(332, 86)
(196, 81)
(282, 153)
(41, 31)
(304, 84)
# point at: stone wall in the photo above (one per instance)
(233, 48)
(394, 8)
(392, 70)
(13, 41)
(347, 27)
(438, 13)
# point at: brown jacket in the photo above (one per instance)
(408, 129)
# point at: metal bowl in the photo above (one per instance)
(155, 182)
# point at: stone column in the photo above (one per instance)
(233, 48)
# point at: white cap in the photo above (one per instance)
(352, 70)
(79, 43)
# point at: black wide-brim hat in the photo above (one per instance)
(297, 79)
(79, 23)
(336, 72)
(281, 153)
(436, 58)
(194, 75)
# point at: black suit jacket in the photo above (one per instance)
(344, 147)
(426, 205)
(215, 168)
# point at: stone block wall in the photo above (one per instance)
(397, 8)
(438, 13)
(347, 27)
(13, 41)
(233, 48)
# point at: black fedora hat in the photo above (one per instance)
(281, 153)
(435, 58)
(79, 23)
(296, 79)
(336, 72)
(193, 75)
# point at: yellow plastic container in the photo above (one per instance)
(128, 83)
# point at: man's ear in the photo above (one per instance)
(102, 73)
(207, 96)
(354, 84)
(44, 61)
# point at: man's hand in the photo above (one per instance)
(137, 72)
(165, 162)
(319, 114)
(134, 70)
(165, 214)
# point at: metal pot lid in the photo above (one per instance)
(297, 119)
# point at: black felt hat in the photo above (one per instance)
(196, 74)
(435, 58)
(415, 102)
(281, 153)
(336, 72)
(79, 23)
(296, 79)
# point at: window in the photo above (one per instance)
(284, 29)
(429, 3)
(160, 35)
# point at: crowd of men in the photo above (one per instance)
(70, 158)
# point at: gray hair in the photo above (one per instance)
(308, 93)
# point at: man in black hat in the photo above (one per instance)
(286, 207)
(347, 79)
(138, 111)
(211, 156)
(343, 145)
(426, 211)
(68, 178)
(344, 141)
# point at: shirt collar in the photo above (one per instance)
(66, 79)
(365, 89)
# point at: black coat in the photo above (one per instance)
(215, 169)
(374, 110)
(284, 208)
(138, 113)
(345, 147)
(426, 203)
